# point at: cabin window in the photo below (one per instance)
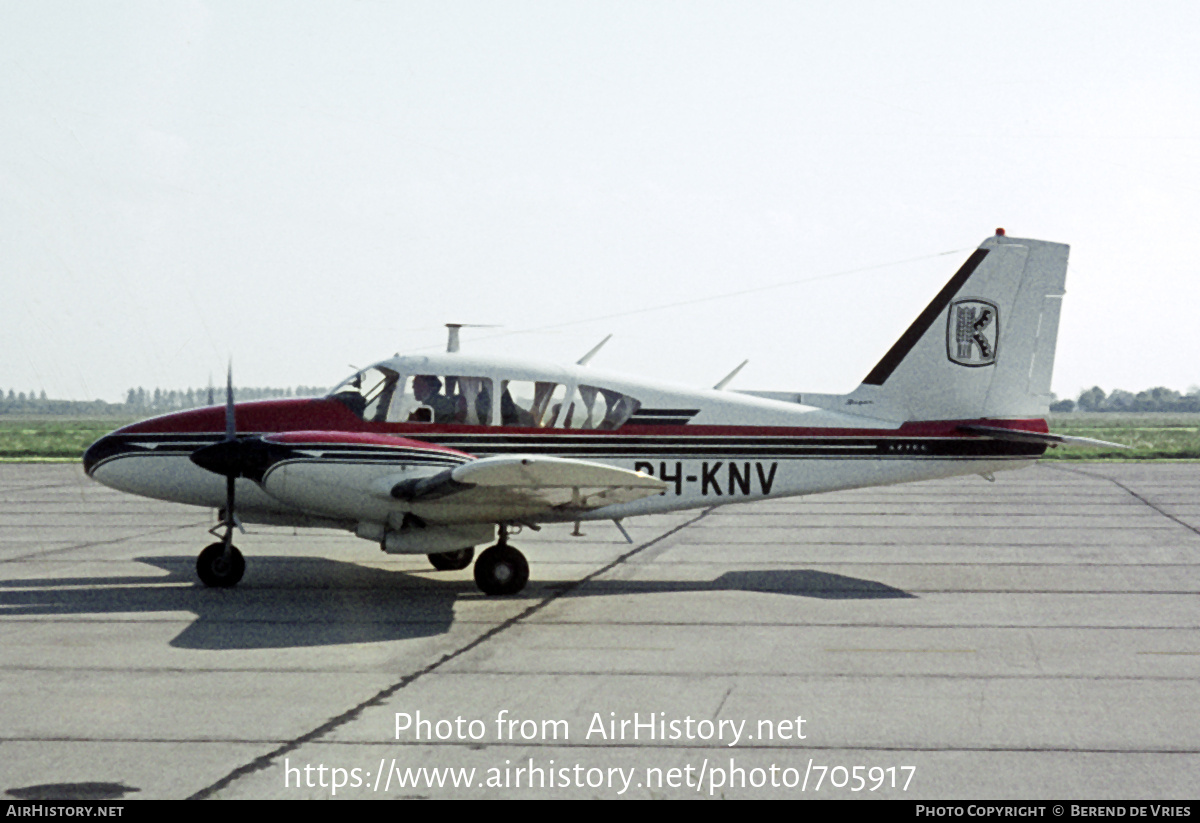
(379, 395)
(530, 404)
(592, 407)
(434, 398)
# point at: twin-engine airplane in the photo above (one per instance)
(433, 454)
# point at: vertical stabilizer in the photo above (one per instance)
(983, 348)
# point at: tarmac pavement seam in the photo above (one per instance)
(38, 555)
(265, 761)
(1130, 491)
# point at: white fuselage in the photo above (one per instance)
(709, 447)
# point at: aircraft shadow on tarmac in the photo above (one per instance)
(293, 602)
(798, 582)
(73, 791)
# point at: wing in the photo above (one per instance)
(523, 486)
(378, 478)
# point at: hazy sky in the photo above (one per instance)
(304, 186)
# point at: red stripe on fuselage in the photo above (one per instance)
(260, 416)
(332, 418)
(336, 438)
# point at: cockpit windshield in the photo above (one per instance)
(368, 393)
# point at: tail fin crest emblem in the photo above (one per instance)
(973, 332)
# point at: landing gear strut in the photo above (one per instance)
(501, 569)
(453, 561)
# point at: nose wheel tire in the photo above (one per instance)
(217, 570)
(501, 570)
(453, 561)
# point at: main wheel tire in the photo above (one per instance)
(216, 570)
(453, 561)
(501, 570)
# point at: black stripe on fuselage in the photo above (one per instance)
(663, 417)
(184, 445)
(594, 447)
(731, 447)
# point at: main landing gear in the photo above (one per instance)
(220, 565)
(501, 569)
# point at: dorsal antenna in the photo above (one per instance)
(583, 361)
(725, 380)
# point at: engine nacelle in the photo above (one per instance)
(427, 539)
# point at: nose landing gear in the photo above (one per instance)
(219, 567)
(221, 564)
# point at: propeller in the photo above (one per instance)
(221, 564)
(230, 457)
(230, 437)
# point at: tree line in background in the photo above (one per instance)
(139, 402)
(1158, 399)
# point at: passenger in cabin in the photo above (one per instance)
(565, 421)
(510, 413)
(483, 404)
(618, 409)
(428, 390)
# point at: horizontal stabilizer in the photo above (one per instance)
(1021, 436)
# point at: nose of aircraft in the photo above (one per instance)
(105, 447)
(185, 432)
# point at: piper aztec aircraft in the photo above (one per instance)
(436, 454)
